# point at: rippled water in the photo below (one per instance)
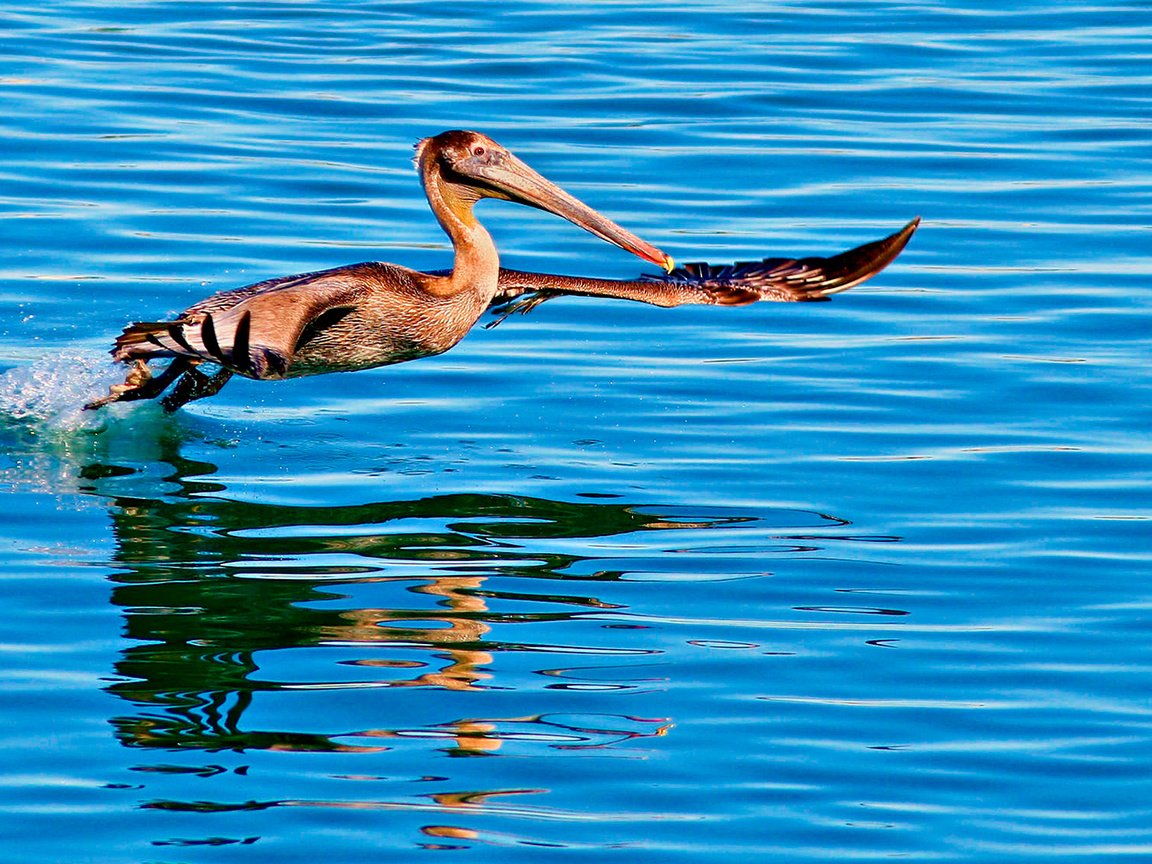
(863, 579)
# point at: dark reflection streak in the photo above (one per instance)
(856, 538)
(208, 841)
(852, 610)
(569, 600)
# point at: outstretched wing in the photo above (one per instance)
(779, 279)
(797, 279)
(253, 331)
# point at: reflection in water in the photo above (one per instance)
(215, 590)
(231, 605)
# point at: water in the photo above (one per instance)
(864, 579)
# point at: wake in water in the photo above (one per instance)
(50, 444)
(52, 391)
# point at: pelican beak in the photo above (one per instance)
(509, 178)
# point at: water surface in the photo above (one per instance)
(864, 579)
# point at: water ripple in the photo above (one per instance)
(854, 580)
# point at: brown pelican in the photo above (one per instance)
(373, 314)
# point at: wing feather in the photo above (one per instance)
(252, 331)
(779, 279)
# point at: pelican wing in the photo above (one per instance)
(253, 331)
(778, 279)
(802, 279)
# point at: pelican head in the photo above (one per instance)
(469, 166)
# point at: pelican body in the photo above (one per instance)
(375, 314)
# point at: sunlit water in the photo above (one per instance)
(865, 579)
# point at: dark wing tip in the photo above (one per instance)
(806, 279)
(790, 279)
(849, 269)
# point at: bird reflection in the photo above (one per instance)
(216, 592)
(424, 636)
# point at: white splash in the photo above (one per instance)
(53, 390)
(48, 440)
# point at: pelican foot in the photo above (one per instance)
(192, 386)
(519, 305)
(140, 383)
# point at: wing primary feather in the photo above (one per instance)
(176, 334)
(211, 343)
(241, 358)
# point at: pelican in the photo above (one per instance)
(372, 314)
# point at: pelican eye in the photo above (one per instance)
(478, 150)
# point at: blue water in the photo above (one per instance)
(860, 580)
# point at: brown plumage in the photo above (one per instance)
(373, 314)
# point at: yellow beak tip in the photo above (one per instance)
(669, 264)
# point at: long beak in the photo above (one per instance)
(517, 182)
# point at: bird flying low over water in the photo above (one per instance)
(372, 314)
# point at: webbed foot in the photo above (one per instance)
(521, 305)
(192, 386)
(139, 383)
